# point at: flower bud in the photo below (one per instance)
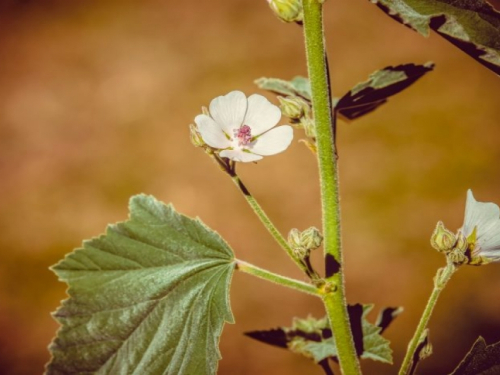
(303, 242)
(294, 238)
(311, 238)
(293, 106)
(457, 256)
(287, 10)
(309, 126)
(442, 239)
(195, 135)
(461, 245)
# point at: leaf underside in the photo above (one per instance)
(313, 338)
(298, 86)
(482, 359)
(364, 98)
(471, 25)
(367, 96)
(149, 297)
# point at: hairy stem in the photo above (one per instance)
(334, 294)
(229, 167)
(442, 277)
(275, 278)
(268, 224)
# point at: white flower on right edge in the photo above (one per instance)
(482, 230)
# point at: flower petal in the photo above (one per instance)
(489, 242)
(484, 216)
(229, 111)
(492, 255)
(261, 114)
(239, 155)
(274, 141)
(211, 132)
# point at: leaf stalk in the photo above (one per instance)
(276, 279)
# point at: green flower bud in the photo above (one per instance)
(461, 245)
(303, 242)
(309, 127)
(459, 254)
(457, 257)
(287, 10)
(195, 135)
(293, 106)
(311, 238)
(442, 239)
(294, 238)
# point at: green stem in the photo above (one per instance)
(334, 297)
(229, 167)
(442, 277)
(275, 278)
(268, 223)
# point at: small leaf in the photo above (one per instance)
(471, 25)
(375, 346)
(423, 350)
(276, 337)
(149, 297)
(313, 338)
(482, 359)
(298, 86)
(367, 96)
(364, 98)
(386, 316)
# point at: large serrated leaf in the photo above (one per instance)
(149, 297)
(482, 359)
(471, 25)
(367, 96)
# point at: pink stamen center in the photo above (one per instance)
(243, 135)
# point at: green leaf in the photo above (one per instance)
(313, 338)
(423, 351)
(149, 297)
(298, 86)
(375, 346)
(471, 25)
(364, 98)
(367, 96)
(386, 316)
(482, 359)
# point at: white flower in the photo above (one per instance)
(482, 230)
(242, 128)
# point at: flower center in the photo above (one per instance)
(243, 135)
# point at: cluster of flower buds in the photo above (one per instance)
(477, 242)
(303, 242)
(453, 246)
(287, 10)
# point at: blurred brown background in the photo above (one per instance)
(95, 100)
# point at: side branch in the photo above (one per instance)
(276, 279)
